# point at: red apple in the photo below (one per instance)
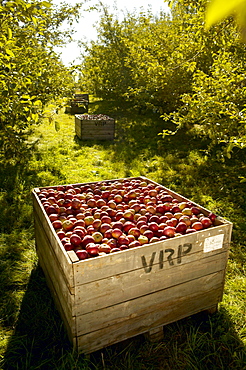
(75, 240)
(197, 226)
(134, 244)
(104, 227)
(104, 248)
(149, 234)
(169, 231)
(82, 254)
(127, 226)
(92, 249)
(181, 227)
(123, 240)
(57, 224)
(76, 203)
(153, 226)
(116, 233)
(206, 222)
(134, 231)
(68, 246)
(86, 240)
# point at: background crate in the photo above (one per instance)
(110, 298)
(79, 104)
(94, 129)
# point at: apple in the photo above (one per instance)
(112, 204)
(153, 226)
(181, 227)
(61, 234)
(123, 240)
(86, 240)
(129, 215)
(169, 231)
(97, 236)
(190, 230)
(143, 228)
(97, 223)
(212, 216)
(104, 227)
(100, 203)
(154, 240)
(79, 230)
(197, 226)
(187, 211)
(185, 219)
(134, 244)
(195, 210)
(75, 240)
(67, 225)
(134, 231)
(88, 220)
(79, 223)
(112, 243)
(57, 224)
(116, 233)
(143, 239)
(65, 240)
(75, 203)
(92, 249)
(82, 254)
(123, 247)
(127, 226)
(117, 225)
(106, 219)
(104, 248)
(113, 250)
(149, 234)
(167, 198)
(206, 222)
(68, 246)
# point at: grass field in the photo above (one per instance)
(32, 335)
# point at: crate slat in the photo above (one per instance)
(163, 307)
(123, 287)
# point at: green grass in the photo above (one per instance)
(32, 335)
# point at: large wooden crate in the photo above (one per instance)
(107, 299)
(89, 127)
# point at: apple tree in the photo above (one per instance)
(31, 74)
(215, 108)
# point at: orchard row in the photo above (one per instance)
(106, 217)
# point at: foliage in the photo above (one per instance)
(31, 74)
(173, 65)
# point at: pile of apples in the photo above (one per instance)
(98, 117)
(110, 216)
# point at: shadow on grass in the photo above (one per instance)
(199, 342)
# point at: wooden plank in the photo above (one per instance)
(69, 321)
(149, 256)
(60, 284)
(55, 242)
(123, 287)
(132, 318)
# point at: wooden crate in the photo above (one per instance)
(107, 299)
(78, 105)
(93, 128)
